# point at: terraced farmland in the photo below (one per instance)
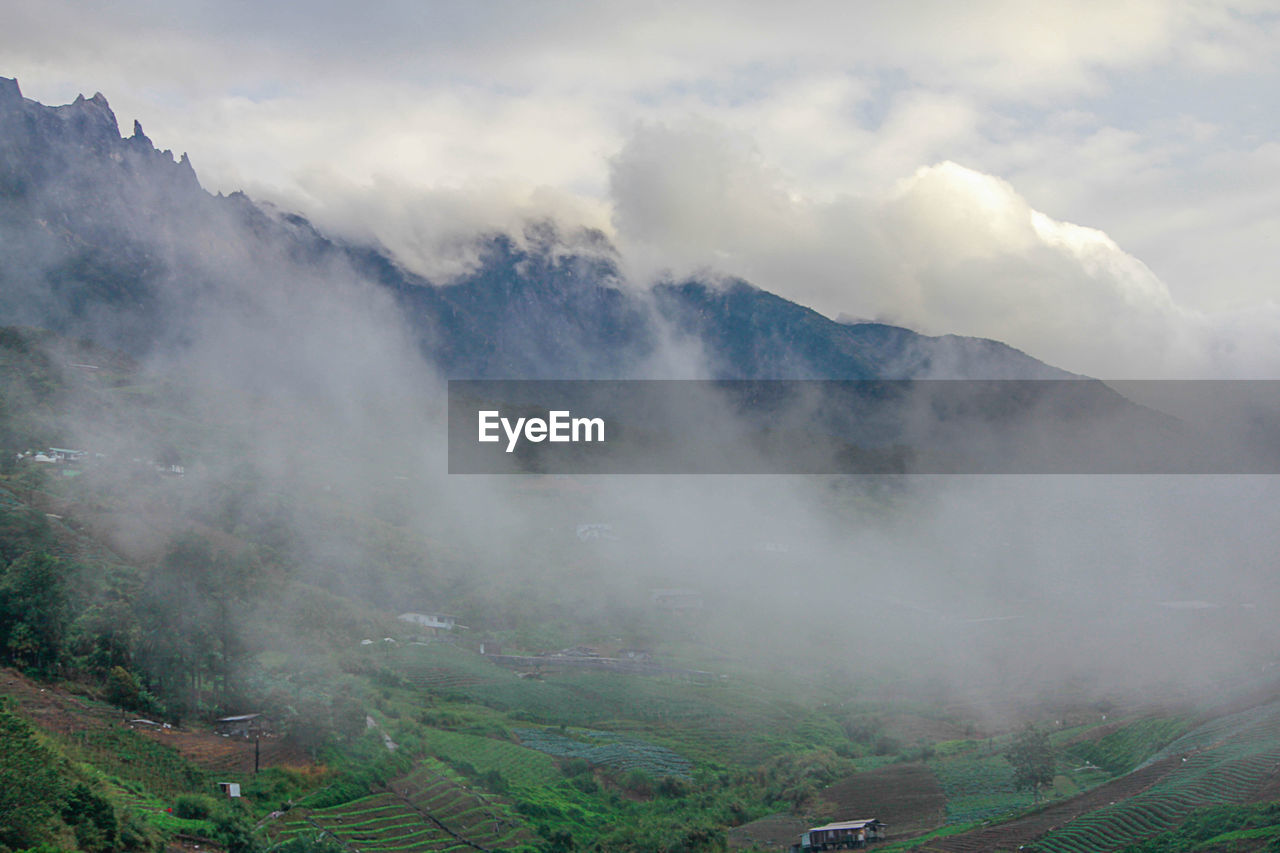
(377, 822)
(445, 669)
(518, 765)
(1022, 831)
(716, 723)
(979, 787)
(484, 821)
(1127, 747)
(427, 811)
(1259, 722)
(1230, 759)
(1231, 774)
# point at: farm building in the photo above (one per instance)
(842, 835)
(435, 621)
(56, 455)
(244, 725)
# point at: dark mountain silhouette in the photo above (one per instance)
(107, 238)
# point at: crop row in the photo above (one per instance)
(623, 754)
(384, 820)
(442, 680)
(466, 813)
(1122, 750)
(402, 829)
(371, 803)
(471, 817)
(518, 765)
(974, 776)
(1250, 725)
(1219, 776)
(966, 809)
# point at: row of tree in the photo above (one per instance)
(172, 642)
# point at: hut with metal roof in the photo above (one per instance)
(243, 725)
(841, 835)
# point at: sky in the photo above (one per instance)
(1096, 183)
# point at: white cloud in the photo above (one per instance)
(947, 250)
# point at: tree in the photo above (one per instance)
(191, 611)
(123, 689)
(1033, 761)
(34, 612)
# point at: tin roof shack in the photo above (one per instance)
(434, 625)
(842, 835)
(244, 725)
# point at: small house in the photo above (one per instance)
(434, 621)
(244, 725)
(842, 835)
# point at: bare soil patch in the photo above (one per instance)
(907, 797)
(772, 832)
(55, 708)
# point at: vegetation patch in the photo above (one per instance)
(516, 764)
(618, 752)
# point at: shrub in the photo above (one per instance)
(193, 807)
(494, 781)
(586, 783)
(92, 818)
(672, 787)
(571, 767)
(638, 782)
(137, 835)
(122, 688)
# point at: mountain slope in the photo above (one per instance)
(108, 238)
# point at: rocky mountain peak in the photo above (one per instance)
(91, 119)
(9, 91)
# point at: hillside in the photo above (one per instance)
(231, 553)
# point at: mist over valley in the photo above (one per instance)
(233, 553)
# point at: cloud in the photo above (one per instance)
(432, 231)
(947, 249)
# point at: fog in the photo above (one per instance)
(1000, 587)
(312, 431)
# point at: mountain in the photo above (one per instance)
(105, 237)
